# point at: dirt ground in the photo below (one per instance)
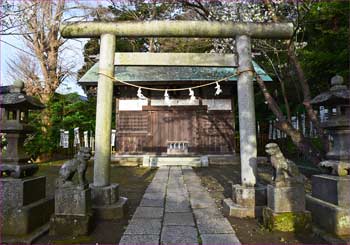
(250, 231)
(132, 180)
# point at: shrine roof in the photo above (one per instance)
(149, 74)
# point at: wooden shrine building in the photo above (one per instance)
(201, 126)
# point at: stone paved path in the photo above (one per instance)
(176, 209)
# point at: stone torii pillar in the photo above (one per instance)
(246, 107)
(208, 29)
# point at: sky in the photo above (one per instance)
(73, 55)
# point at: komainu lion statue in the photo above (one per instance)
(76, 165)
(286, 172)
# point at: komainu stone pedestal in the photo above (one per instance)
(330, 204)
(73, 212)
(246, 201)
(106, 202)
(25, 210)
(285, 209)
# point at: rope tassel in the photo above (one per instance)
(140, 95)
(218, 89)
(192, 97)
(167, 98)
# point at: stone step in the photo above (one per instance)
(176, 161)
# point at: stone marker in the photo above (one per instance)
(285, 209)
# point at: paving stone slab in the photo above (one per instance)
(148, 212)
(190, 176)
(178, 184)
(177, 199)
(144, 227)
(139, 239)
(202, 202)
(179, 235)
(175, 174)
(154, 187)
(177, 207)
(181, 191)
(160, 181)
(175, 184)
(207, 213)
(161, 176)
(219, 239)
(195, 189)
(154, 196)
(175, 177)
(192, 182)
(183, 219)
(153, 200)
(214, 226)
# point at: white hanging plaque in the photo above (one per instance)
(113, 133)
(66, 139)
(86, 139)
(76, 137)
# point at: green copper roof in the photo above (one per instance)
(168, 73)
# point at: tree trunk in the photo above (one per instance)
(303, 145)
(307, 98)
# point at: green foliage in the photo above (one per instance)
(66, 112)
(327, 37)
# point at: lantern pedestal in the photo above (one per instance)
(24, 213)
(331, 196)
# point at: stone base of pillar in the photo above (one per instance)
(330, 204)
(24, 213)
(107, 204)
(245, 202)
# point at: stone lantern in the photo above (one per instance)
(15, 108)
(337, 124)
(330, 198)
(25, 209)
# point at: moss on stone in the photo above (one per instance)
(287, 222)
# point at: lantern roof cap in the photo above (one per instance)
(12, 96)
(338, 93)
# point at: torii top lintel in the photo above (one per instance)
(209, 29)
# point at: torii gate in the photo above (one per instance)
(243, 32)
